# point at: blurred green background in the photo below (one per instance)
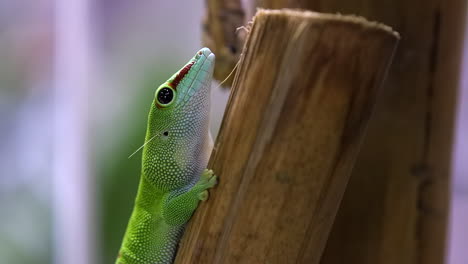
(130, 48)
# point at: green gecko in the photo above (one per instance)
(175, 154)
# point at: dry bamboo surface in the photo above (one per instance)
(297, 113)
(396, 206)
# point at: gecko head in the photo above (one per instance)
(178, 124)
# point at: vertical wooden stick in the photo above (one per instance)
(298, 110)
(396, 204)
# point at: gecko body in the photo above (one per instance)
(174, 178)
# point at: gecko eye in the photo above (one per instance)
(165, 96)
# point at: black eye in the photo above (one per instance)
(165, 95)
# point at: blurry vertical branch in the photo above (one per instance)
(298, 110)
(220, 35)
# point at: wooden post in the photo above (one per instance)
(396, 206)
(298, 110)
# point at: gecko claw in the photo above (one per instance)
(207, 180)
(203, 196)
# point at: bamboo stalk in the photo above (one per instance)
(396, 206)
(298, 110)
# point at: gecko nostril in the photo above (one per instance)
(166, 133)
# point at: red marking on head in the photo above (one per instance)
(119, 255)
(181, 75)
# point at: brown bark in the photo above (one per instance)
(300, 102)
(396, 205)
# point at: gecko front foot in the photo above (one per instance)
(177, 210)
(207, 180)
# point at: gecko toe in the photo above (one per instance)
(203, 196)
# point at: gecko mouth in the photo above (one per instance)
(200, 70)
(206, 60)
(194, 66)
(204, 70)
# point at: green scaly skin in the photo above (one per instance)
(173, 176)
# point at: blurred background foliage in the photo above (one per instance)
(25, 125)
(136, 46)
